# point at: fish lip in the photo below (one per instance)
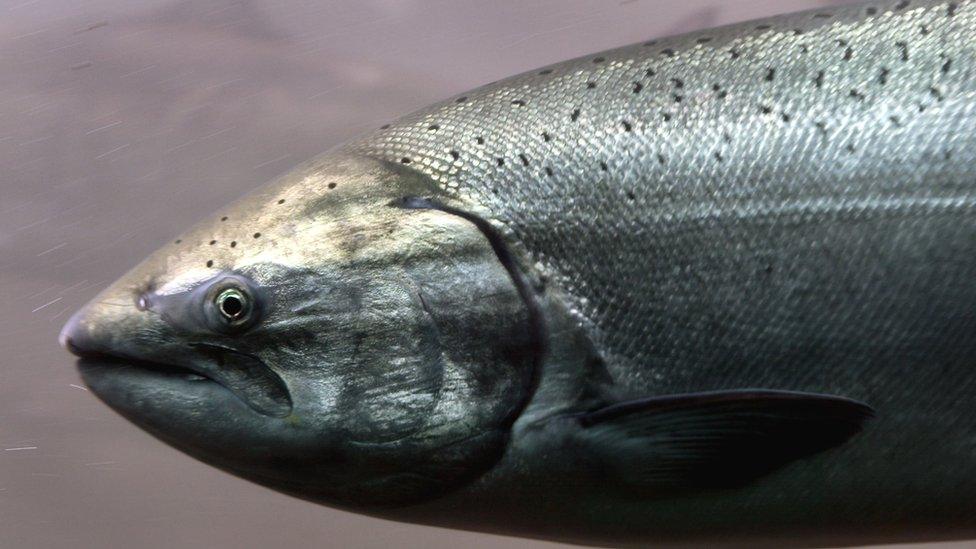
(87, 359)
(278, 404)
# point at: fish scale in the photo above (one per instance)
(775, 138)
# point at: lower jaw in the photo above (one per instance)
(178, 407)
(206, 421)
(106, 374)
(158, 396)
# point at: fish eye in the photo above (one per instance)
(233, 304)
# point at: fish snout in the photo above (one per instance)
(105, 325)
(75, 336)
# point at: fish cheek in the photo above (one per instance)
(426, 384)
(392, 370)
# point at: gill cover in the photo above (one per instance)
(477, 339)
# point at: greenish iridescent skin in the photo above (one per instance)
(787, 204)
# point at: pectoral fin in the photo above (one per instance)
(716, 439)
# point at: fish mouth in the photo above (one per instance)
(242, 374)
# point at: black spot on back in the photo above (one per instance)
(903, 49)
(946, 66)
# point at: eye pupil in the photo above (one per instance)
(232, 304)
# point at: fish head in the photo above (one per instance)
(318, 339)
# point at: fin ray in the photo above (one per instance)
(716, 439)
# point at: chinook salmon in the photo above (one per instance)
(716, 288)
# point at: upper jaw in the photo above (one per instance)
(243, 374)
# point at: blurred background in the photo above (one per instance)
(122, 122)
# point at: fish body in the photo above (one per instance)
(715, 288)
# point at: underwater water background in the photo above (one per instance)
(123, 122)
